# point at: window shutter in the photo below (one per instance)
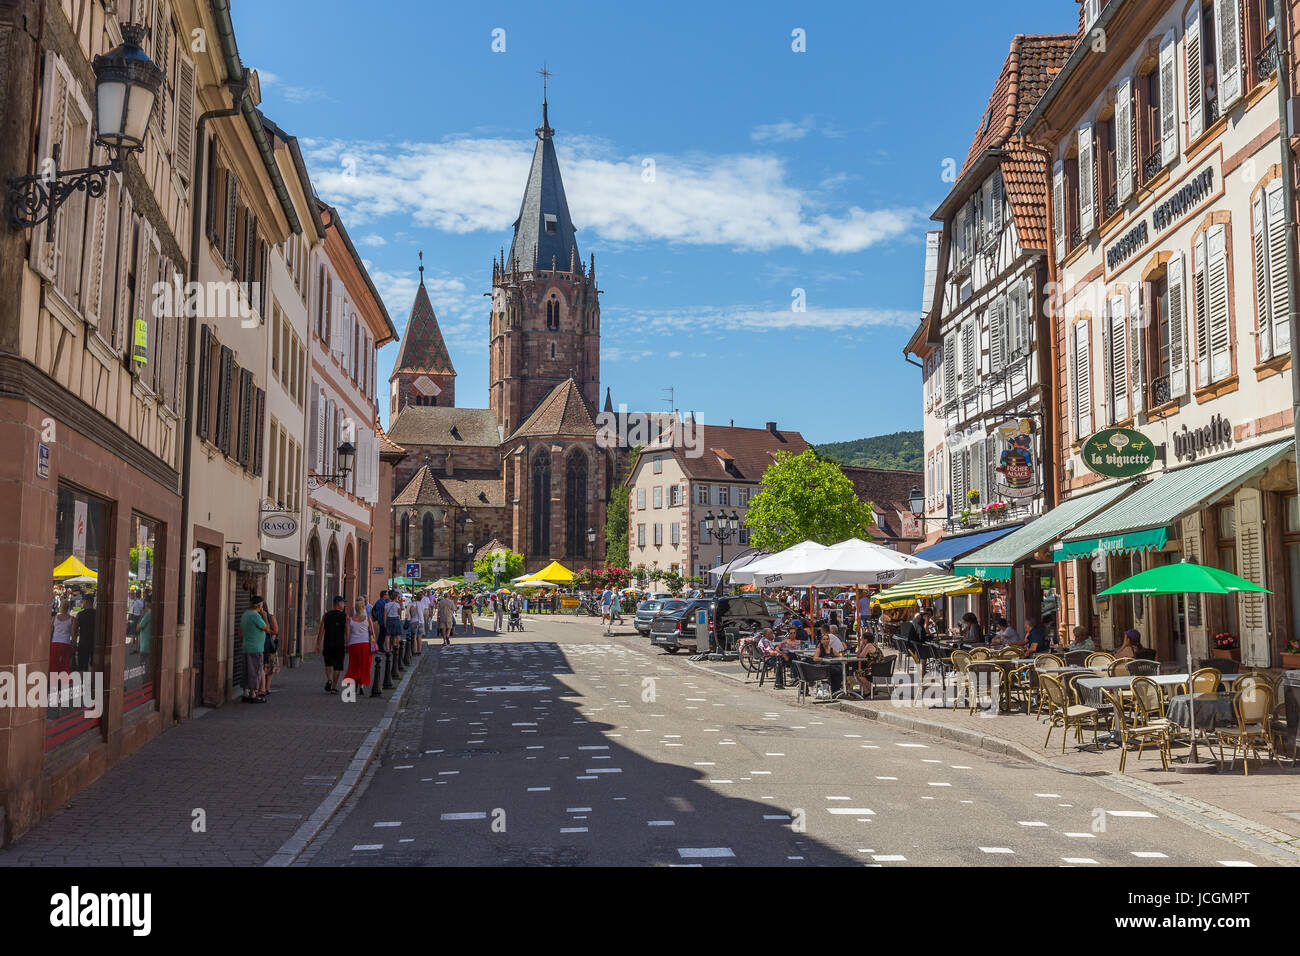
(997, 335)
(1119, 358)
(232, 210)
(1278, 295)
(1168, 102)
(153, 367)
(259, 429)
(969, 359)
(1192, 552)
(313, 434)
(1194, 71)
(949, 367)
(1058, 208)
(202, 397)
(999, 200)
(120, 308)
(1139, 320)
(1201, 312)
(957, 482)
(244, 444)
(1087, 175)
(161, 39)
(225, 399)
(977, 479)
(1216, 269)
(1227, 21)
(1026, 316)
(183, 127)
(1082, 380)
(99, 257)
(1177, 327)
(1259, 238)
(1107, 361)
(1250, 565)
(1124, 141)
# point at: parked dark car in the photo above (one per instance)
(648, 610)
(730, 618)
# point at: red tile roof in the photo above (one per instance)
(386, 445)
(563, 412)
(736, 454)
(424, 489)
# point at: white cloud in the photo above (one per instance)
(753, 319)
(461, 313)
(470, 184)
(374, 239)
(783, 132)
(294, 94)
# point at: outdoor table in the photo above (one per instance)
(1090, 688)
(1064, 673)
(843, 693)
(1212, 710)
(1006, 665)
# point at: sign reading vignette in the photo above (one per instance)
(1118, 453)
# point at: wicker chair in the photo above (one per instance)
(980, 654)
(1048, 660)
(960, 661)
(1137, 668)
(1203, 681)
(982, 675)
(1148, 702)
(1097, 659)
(1254, 715)
(1010, 653)
(1077, 657)
(1063, 714)
(1118, 667)
(1139, 732)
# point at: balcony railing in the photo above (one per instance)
(1211, 111)
(1111, 206)
(1266, 62)
(1159, 391)
(1152, 165)
(1076, 238)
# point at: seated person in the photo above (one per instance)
(1080, 641)
(971, 632)
(1035, 640)
(837, 644)
(868, 653)
(1132, 644)
(825, 651)
(1005, 635)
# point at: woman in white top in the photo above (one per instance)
(361, 635)
(62, 636)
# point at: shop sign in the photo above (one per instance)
(279, 526)
(377, 569)
(1118, 453)
(1176, 206)
(1017, 475)
(42, 460)
(1192, 442)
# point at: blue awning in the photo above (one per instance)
(949, 549)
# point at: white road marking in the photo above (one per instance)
(660, 823)
(600, 747)
(1082, 836)
(997, 849)
(538, 789)
(1235, 863)
(367, 846)
(921, 746)
(475, 815)
(938, 784)
(447, 773)
(773, 755)
(578, 810)
(593, 777)
(886, 778)
(1078, 859)
(885, 858)
(690, 853)
(573, 829)
(1054, 796)
(837, 798)
(851, 811)
(408, 766)
(1150, 855)
(1130, 813)
(394, 823)
(1031, 823)
(605, 770)
(776, 816)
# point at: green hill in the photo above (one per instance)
(901, 450)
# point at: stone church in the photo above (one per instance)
(526, 472)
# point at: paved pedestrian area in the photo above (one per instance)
(224, 789)
(1269, 797)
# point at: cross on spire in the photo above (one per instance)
(545, 132)
(421, 267)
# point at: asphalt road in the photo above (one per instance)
(565, 746)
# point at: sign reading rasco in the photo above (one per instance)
(1118, 453)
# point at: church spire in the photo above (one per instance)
(544, 233)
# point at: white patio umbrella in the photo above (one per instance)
(860, 563)
(788, 569)
(735, 564)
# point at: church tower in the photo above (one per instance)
(545, 321)
(423, 373)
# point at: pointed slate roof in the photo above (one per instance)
(424, 489)
(423, 349)
(544, 205)
(562, 412)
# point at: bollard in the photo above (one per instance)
(377, 680)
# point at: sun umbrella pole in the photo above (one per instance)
(1193, 757)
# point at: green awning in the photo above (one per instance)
(994, 563)
(1141, 521)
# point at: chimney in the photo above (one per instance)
(771, 426)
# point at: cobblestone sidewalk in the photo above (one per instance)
(256, 771)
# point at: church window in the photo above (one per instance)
(552, 313)
(426, 536)
(552, 350)
(542, 504)
(575, 505)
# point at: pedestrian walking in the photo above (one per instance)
(331, 641)
(252, 626)
(467, 613)
(270, 656)
(446, 617)
(498, 613)
(85, 634)
(362, 642)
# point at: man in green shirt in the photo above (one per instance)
(252, 627)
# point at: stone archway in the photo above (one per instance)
(349, 573)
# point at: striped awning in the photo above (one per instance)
(1140, 522)
(929, 586)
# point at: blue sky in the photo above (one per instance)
(774, 171)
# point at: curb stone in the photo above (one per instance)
(302, 837)
(1242, 831)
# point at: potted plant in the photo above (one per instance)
(966, 518)
(1291, 654)
(973, 496)
(1226, 647)
(995, 510)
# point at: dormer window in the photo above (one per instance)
(552, 224)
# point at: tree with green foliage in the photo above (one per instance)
(508, 565)
(802, 498)
(673, 581)
(616, 518)
(902, 451)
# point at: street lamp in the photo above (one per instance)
(727, 527)
(916, 500)
(591, 542)
(126, 85)
(347, 453)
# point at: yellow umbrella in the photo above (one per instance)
(928, 586)
(72, 568)
(554, 571)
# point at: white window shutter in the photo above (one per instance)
(1139, 320)
(1216, 268)
(97, 257)
(997, 335)
(1027, 314)
(977, 479)
(1259, 241)
(969, 358)
(122, 325)
(999, 200)
(1107, 361)
(1087, 175)
(1227, 21)
(1168, 101)
(1058, 209)
(1119, 397)
(1192, 50)
(1174, 277)
(1279, 297)
(313, 432)
(1124, 141)
(1083, 379)
(1201, 313)
(949, 367)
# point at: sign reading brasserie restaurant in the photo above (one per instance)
(1195, 191)
(1118, 453)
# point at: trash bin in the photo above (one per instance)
(1291, 694)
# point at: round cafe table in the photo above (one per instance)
(1212, 711)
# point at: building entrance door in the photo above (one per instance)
(199, 631)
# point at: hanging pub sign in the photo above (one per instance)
(1118, 453)
(1017, 474)
(140, 349)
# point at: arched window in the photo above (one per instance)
(552, 313)
(312, 584)
(542, 504)
(332, 572)
(426, 536)
(404, 537)
(575, 504)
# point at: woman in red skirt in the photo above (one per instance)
(361, 635)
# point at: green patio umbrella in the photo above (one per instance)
(1185, 577)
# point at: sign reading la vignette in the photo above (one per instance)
(1119, 453)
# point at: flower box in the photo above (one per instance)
(1291, 661)
(1233, 654)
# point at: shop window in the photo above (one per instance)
(1225, 620)
(1261, 41)
(1107, 171)
(77, 626)
(311, 583)
(143, 614)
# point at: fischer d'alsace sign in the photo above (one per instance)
(1118, 453)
